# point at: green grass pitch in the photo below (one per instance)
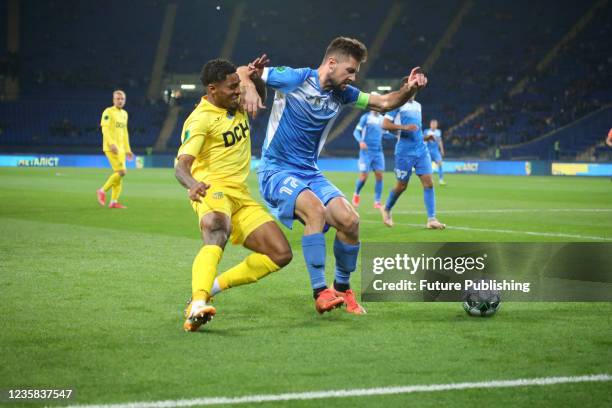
(92, 299)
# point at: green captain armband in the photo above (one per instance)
(362, 100)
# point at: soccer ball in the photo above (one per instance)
(483, 303)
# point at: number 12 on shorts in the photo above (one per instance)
(292, 182)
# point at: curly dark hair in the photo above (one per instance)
(216, 71)
(347, 47)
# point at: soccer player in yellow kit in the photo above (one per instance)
(116, 146)
(213, 163)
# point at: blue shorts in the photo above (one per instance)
(435, 156)
(280, 190)
(371, 161)
(404, 165)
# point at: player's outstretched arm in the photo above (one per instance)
(411, 85)
(182, 172)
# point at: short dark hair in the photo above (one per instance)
(216, 71)
(347, 47)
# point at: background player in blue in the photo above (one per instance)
(305, 105)
(410, 151)
(433, 137)
(368, 134)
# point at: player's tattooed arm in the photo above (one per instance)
(410, 86)
(253, 88)
(195, 188)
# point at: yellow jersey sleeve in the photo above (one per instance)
(126, 135)
(192, 138)
(107, 118)
(108, 127)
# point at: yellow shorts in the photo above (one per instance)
(246, 213)
(117, 161)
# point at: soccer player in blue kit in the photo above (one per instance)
(433, 138)
(410, 151)
(368, 134)
(306, 103)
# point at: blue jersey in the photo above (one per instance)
(301, 118)
(410, 143)
(433, 145)
(369, 130)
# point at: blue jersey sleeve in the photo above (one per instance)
(350, 95)
(391, 115)
(285, 79)
(358, 133)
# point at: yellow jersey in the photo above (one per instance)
(220, 143)
(114, 130)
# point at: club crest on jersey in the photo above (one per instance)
(218, 195)
(323, 103)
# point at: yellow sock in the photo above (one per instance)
(253, 268)
(112, 179)
(204, 271)
(117, 189)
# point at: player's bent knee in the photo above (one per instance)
(283, 257)
(216, 228)
(122, 173)
(349, 223)
(401, 187)
(315, 214)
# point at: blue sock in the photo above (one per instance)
(313, 248)
(378, 187)
(346, 261)
(440, 172)
(430, 202)
(393, 196)
(359, 185)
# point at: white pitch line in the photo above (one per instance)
(509, 210)
(503, 231)
(359, 392)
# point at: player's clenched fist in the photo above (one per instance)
(416, 79)
(198, 190)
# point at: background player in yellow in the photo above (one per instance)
(213, 163)
(116, 146)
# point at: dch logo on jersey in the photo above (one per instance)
(292, 182)
(218, 195)
(237, 134)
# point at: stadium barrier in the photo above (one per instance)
(581, 169)
(62, 160)
(513, 168)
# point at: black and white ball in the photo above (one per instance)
(481, 303)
